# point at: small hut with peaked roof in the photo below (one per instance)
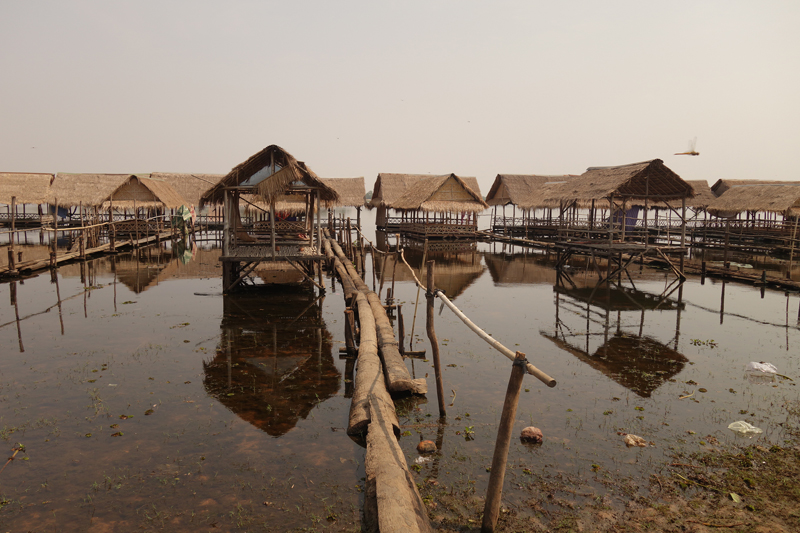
(777, 198)
(523, 191)
(619, 188)
(428, 205)
(24, 188)
(352, 193)
(390, 188)
(272, 176)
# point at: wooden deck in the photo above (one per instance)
(438, 230)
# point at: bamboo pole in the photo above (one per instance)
(494, 491)
(11, 263)
(437, 366)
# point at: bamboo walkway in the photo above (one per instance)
(28, 267)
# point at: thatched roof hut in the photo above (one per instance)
(190, 186)
(28, 188)
(723, 185)
(270, 174)
(351, 191)
(389, 188)
(637, 181)
(89, 190)
(142, 192)
(121, 190)
(780, 198)
(519, 189)
(441, 194)
(702, 197)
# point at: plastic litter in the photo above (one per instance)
(744, 428)
(634, 440)
(768, 368)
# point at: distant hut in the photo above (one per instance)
(29, 193)
(619, 187)
(519, 191)
(272, 176)
(724, 184)
(390, 188)
(352, 193)
(69, 192)
(190, 186)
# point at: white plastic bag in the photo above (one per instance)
(744, 428)
(769, 368)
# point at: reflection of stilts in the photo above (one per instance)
(54, 277)
(13, 290)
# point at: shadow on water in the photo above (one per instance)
(273, 363)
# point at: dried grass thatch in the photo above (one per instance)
(389, 188)
(723, 185)
(702, 197)
(138, 191)
(28, 188)
(89, 190)
(351, 191)
(441, 194)
(190, 186)
(256, 174)
(651, 179)
(519, 189)
(771, 198)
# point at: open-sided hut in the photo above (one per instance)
(351, 193)
(722, 185)
(272, 175)
(617, 188)
(87, 191)
(28, 192)
(523, 191)
(390, 189)
(439, 206)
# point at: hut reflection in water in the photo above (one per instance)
(594, 324)
(273, 362)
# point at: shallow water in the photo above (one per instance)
(230, 411)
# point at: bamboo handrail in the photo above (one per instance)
(511, 354)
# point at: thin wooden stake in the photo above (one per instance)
(494, 491)
(431, 313)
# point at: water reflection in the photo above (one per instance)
(458, 263)
(273, 362)
(603, 326)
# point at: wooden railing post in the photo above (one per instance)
(494, 491)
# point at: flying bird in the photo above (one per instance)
(692, 146)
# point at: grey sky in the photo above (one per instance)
(357, 88)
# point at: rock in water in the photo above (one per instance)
(426, 446)
(532, 434)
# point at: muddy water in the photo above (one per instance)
(146, 400)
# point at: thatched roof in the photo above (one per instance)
(190, 186)
(28, 188)
(773, 198)
(89, 190)
(256, 174)
(441, 194)
(351, 191)
(723, 185)
(139, 191)
(389, 188)
(519, 189)
(702, 197)
(635, 181)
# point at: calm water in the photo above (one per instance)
(146, 400)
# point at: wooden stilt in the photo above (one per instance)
(429, 326)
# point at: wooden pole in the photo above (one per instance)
(683, 232)
(494, 491)
(53, 254)
(431, 312)
(11, 264)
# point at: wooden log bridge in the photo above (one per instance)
(392, 503)
(28, 267)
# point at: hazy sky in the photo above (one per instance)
(357, 88)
